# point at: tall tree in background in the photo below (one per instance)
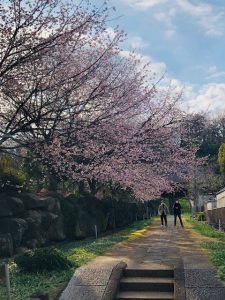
(221, 158)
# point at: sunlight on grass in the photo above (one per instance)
(137, 233)
(206, 230)
(79, 253)
(215, 248)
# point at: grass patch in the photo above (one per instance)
(206, 230)
(217, 254)
(78, 252)
(215, 248)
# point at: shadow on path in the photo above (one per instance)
(168, 247)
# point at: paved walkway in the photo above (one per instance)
(163, 248)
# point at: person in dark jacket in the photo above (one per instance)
(177, 213)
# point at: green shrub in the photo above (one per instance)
(43, 259)
(185, 204)
(201, 216)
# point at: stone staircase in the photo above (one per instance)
(143, 284)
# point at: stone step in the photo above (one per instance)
(148, 273)
(147, 284)
(145, 296)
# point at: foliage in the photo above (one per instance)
(209, 133)
(11, 175)
(221, 158)
(207, 230)
(79, 252)
(43, 259)
(185, 204)
(9, 182)
(69, 92)
(217, 254)
(201, 216)
(206, 132)
(216, 248)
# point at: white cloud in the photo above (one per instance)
(169, 33)
(212, 69)
(212, 23)
(155, 68)
(214, 32)
(143, 4)
(167, 17)
(200, 9)
(210, 98)
(216, 75)
(137, 42)
(205, 15)
(214, 72)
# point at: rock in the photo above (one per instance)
(16, 227)
(70, 215)
(19, 226)
(43, 226)
(36, 202)
(32, 201)
(35, 230)
(34, 217)
(10, 206)
(85, 225)
(5, 210)
(52, 204)
(6, 245)
(34, 243)
(16, 206)
(48, 219)
(56, 230)
(20, 250)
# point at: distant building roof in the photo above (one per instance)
(223, 190)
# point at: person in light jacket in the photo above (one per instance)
(163, 211)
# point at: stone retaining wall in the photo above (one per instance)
(29, 220)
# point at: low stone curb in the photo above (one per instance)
(179, 284)
(113, 284)
(94, 282)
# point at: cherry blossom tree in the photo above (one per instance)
(49, 50)
(138, 147)
(88, 111)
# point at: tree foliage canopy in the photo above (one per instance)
(221, 158)
(88, 109)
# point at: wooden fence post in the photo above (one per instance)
(7, 281)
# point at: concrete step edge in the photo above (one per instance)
(153, 280)
(165, 273)
(145, 295)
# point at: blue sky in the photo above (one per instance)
(185, 39)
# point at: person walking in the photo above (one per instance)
(163, 211)
(177, 213)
